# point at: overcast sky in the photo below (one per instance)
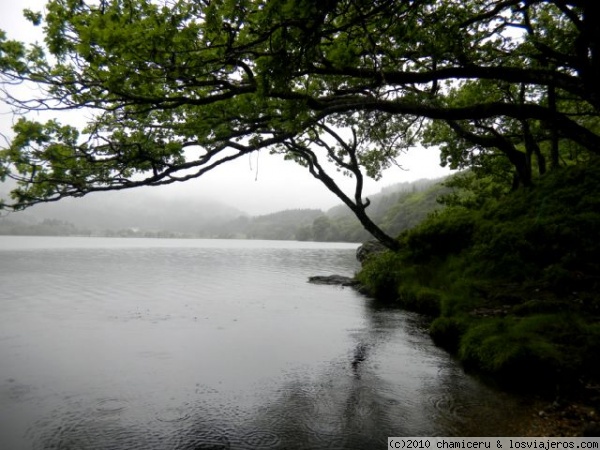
(258, 184)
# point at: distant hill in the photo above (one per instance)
(387, 197)
(126, 210)
(394, 209)
(282, 225)
(148, 213)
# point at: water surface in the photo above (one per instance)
(198, 344)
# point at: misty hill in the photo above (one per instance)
(388, 196)
(124, 210)
(282, 225)
(146, 212)
(394, 209)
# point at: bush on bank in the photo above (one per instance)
(512, 287)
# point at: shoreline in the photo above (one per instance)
(569, 418)
(572, 415)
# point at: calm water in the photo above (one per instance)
(198, 344)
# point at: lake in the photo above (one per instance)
(217, 344)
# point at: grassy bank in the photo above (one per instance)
(512, 287)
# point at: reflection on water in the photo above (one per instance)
(137, 344)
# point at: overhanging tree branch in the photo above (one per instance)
(229, 80)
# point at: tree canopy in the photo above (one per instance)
(177, 88)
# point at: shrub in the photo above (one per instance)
(381, 275)
(441, 234)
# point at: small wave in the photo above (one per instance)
(173, 415)
(261, 439)
(111, 405)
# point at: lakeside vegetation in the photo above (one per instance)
(511, 283)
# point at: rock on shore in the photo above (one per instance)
(369, 248)
(335, 280)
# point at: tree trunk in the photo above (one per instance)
(388, 241)
(358, 207)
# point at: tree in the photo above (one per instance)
(322, 229)
(180, 87)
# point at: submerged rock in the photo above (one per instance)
(335, 280)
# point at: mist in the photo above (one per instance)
(259, 184)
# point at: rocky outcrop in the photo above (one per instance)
(369, 248)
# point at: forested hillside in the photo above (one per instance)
(282, 225)
(394, 209)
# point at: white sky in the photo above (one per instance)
(278, 185)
